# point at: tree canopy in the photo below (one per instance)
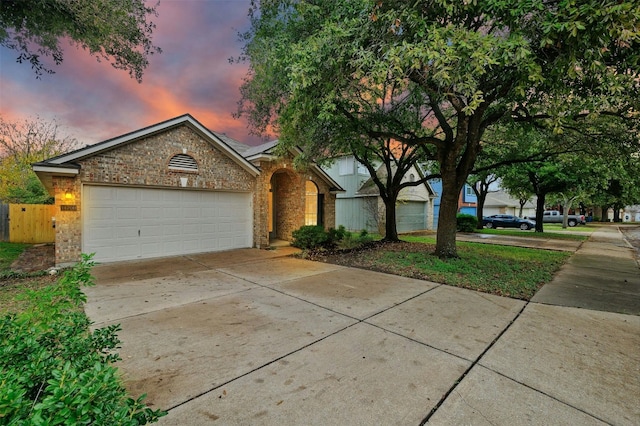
(436, 74)
(21, 144)
(116, 31)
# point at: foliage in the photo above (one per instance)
(116, 31)
(54, 370)
(351, 241)
(435, 75)
(310, 237)
(33, 192)
(466, 222)
(21, 144)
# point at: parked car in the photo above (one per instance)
(554, 216)
(507, 221)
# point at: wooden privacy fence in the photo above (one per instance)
(31, 223)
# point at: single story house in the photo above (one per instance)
(500, 202)
(361, 207)
(177, 188)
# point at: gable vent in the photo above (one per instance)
(183, 162)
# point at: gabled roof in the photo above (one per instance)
(502, 199)
(370, 188)
(266, 151)
(65, 163)
(263, 150)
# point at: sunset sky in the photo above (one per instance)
(93, 101)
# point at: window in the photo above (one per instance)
(469, 191)
(183, 163)
(362, 170)
(311, 204)
(412, 177)
(345, 166)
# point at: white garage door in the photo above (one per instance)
(136, 223)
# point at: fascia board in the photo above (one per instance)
(60, 171)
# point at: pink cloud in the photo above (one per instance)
(96, 102)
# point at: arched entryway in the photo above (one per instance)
(286, 205)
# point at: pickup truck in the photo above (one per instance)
(554, 216)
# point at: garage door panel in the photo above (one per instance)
(127, 212)
(126, 194)
(129, 223)
(151, 231)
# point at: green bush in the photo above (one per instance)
(54, 370)
(466, 222)
(349, 241)
(309, 237)
(334, 236)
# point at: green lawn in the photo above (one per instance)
(10, 252)
(550, 231)
(503, 270)
(12, 288)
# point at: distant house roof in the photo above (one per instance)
(263, 149)
(370, 188)
(503, 199)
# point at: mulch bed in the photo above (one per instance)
(39, 257)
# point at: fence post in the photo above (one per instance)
(4, 222)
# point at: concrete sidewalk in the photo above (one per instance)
(251, 337)
(602, 275)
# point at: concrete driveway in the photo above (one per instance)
(254, 337)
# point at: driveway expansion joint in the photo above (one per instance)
(473, 364)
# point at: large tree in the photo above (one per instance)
(117, 31)
(22, 143)
(319, 69)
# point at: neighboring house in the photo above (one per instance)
(500, 202)
(631, 213)
(467, 200)
(177, 188)
(361, 207)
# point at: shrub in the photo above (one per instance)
(350, 241)
(309, 237)
(334, 236)
(466, 222)
(54, 370)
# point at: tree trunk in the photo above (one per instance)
(390, 227)
(447, 222)
(522, 203)
(616, 213)
(482, 197)
(540, 211)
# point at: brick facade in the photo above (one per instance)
(145, 163)
(288, 188)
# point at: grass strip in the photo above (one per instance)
(502, 270)
(10, 252)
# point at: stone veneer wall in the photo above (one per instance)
(143, 163)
